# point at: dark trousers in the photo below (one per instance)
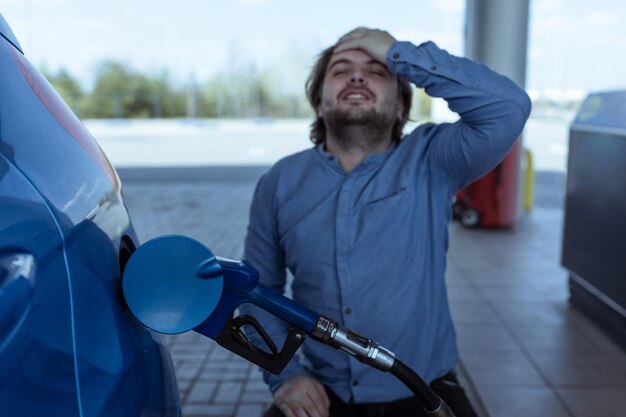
(447, 387)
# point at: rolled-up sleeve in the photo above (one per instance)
(492, 108)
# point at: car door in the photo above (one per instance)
(37, 367)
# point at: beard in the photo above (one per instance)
(364, 129)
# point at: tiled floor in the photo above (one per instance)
(525, 351)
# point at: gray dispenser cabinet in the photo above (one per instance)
(594, 233)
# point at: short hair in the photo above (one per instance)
(315, 83)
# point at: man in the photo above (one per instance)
(360, 220)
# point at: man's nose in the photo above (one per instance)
(358, 78)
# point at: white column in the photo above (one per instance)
(496, 34)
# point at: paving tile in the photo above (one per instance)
(208, 410)
(453, 282)
(503, 369)
(239, 365)
(201, 392)
(256, 385)
(529, 312)
(188, 369)
(224, 374)
(602, 340)
(483, 338)
(514, 293)
(203, 343)
(521, 402)
(222, 354)
(474, 265)
(464, 293)
(257, 396)
(455, 274)
(228, 392)
(182, 393)
(558, 283)
(512, 272)
(583, 369)
(188, 354)
(182, 338)
(553, 338)
(595, 402)
(250, 410)
(256, 371)
(573, 316)
(470, 312)
(183, 383)
(489, 271)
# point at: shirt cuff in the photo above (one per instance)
(413, 62)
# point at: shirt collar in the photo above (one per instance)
(371, 161)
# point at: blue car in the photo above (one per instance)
(69, 345)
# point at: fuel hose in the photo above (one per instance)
(433, 405)
(329, 332)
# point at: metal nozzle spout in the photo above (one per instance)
(365, 350)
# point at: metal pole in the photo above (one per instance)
(496, 34)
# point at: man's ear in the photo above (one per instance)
(400, 109)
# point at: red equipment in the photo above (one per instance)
(492, 201)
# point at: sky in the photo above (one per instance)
(573, 44)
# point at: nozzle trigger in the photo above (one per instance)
(235, 340)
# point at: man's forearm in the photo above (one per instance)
(471, 89)
(492, 108)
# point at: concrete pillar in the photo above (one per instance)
(496, 34)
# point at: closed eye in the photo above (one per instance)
(377, 69)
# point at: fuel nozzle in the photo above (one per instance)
(174, 284)
(329, 332)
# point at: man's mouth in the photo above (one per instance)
(356, 95)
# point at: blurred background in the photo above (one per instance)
(222, 83)
(192, 101)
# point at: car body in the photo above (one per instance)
(69, 345)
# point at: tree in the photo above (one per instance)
(121, 92)
(67, 87)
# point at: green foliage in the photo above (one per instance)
(121, 92)
(67, 87)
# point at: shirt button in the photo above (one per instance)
(396, 55)
(348, 311)
(330, 157)
(355, 383)
(433, 68)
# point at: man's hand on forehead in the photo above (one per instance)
(374, 42)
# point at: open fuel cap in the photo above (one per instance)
(162, 286)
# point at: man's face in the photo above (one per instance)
(356, 84)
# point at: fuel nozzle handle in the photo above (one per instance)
(365, 350)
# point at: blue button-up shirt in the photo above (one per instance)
(368, 248)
